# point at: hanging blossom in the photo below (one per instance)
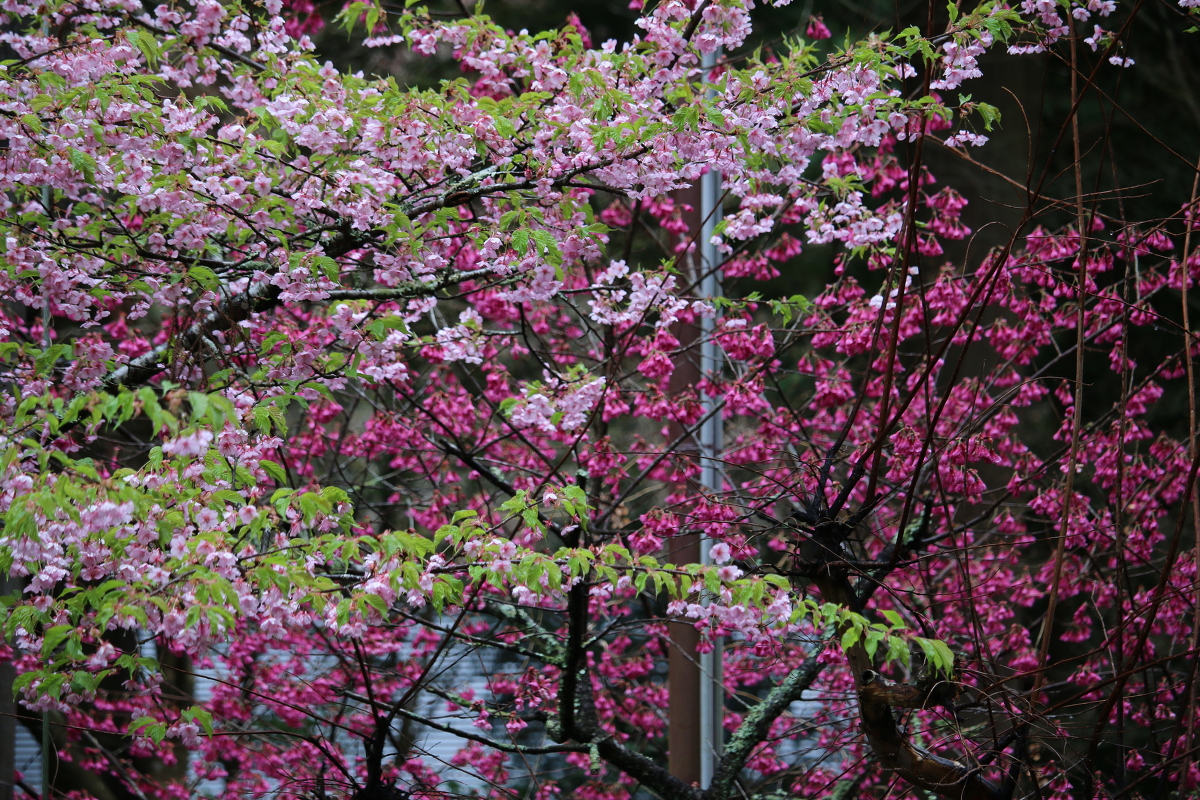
(645, 295)
(557, 405)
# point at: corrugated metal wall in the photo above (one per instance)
(461, 669)
(29, 758)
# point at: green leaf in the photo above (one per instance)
(898, 651)
(262, 419)
(52, 685)
(520, 241)
(82, 162)
(990, 114)
(505, 127)
(874, 637)
(201, 715)
(146, 44)
(20, 523)
(530, 517)
(545, 241)
(23, 681)
(54, 637)
(328, 266)
(229, 496)
(206, 278)
(376, 602)
(198, 400)
(938, 654)
(850, 637)
(51, 79)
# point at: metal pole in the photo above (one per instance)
(711, 442)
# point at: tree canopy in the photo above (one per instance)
(377, 410)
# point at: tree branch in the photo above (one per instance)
(400, 711)
(756, 727)
(918, 766)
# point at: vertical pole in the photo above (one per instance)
(684, 680)
(684, 683)
(711, 442)
(694, 680)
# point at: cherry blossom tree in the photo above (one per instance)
(376, 410)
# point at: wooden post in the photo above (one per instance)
(683, 664)
(694, 681)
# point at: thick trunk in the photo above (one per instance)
(947, 778)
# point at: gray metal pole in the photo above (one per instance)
(712, 434)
